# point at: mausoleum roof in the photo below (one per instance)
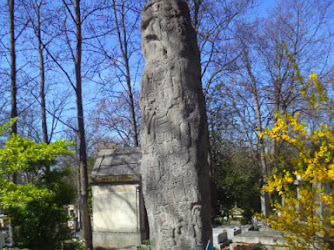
(117, 166)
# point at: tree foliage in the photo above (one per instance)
(236, 177)
(236, 182)
(303, 184)
(36, 209)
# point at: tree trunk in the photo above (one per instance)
(13, 91)
(131, 106)
(83, 172)
(278, 102)
(265, 203)
(42, 75)
(122, 39)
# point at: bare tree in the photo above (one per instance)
(74, 53)
(265, 204)
(123, 61)
(38, 34)
(66, 53)
(213, 21)
(83, 172)
(123, 38)
(13, 88)
(267, 76)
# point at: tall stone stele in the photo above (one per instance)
(174, 133)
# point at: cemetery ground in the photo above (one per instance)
(230, 234)
(235, 237)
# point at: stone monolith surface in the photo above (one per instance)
(174, 133)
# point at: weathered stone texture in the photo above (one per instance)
(174, 135)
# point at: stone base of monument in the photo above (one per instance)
(267, 237)
(103, 240)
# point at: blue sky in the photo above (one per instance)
(262, 8)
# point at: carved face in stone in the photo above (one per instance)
(163, 30)
(151, 33)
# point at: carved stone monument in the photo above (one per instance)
(174, 134)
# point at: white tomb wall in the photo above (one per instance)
(116, 208)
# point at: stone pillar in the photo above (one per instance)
(174, 133)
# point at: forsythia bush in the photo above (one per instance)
(303, 185)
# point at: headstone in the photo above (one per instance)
(219, 236)
(270, 239)
(174, 134)
(233, 231)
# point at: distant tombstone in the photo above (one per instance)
(174, 134)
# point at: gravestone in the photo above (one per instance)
(174, 134)
(270, 239)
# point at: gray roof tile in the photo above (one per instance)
(112, 164)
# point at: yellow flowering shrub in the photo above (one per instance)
(304, 205)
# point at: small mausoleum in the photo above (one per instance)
(119, 217)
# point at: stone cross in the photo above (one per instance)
(174, 133)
